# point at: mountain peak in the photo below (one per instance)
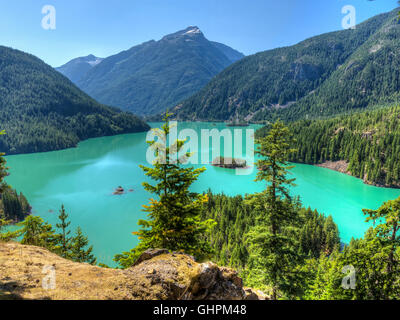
(78, 67)
(321, 76)
(91, 57)
(191, 31)
(159, 74)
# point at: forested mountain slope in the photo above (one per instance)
(370, 76)
(234, 218)
(41, 110)
(155, 75)
(321, 76)
(366, 143)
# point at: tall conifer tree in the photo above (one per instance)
(273, 250)
(174, 216)
(65, 240)
(3, 169)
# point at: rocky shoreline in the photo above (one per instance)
(342, 167)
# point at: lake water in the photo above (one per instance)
(84, 178)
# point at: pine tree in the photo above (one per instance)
(3, 170)
(3, 223)
(388, 215)
(3, 188)
(174, 217)
(374, 258)
(8, 235)
(78, 252)
(65, 240)
(38, 233)
(273, 251)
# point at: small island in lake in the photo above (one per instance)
(229, 163)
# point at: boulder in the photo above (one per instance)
(149, 254)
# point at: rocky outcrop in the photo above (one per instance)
(150, 254)
(158, 276)
(340, 166)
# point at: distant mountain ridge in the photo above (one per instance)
(77, 68)
(41, 110)
(232, 54)
(155, 75)
(322, 76)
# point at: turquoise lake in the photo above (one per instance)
(84, 178)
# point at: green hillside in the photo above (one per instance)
(370, 76)
(41, 110)
(321, 76)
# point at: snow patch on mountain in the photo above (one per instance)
(193, 30)
(95, 62)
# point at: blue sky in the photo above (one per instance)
(106, 27)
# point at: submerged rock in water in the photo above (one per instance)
(119, 191)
